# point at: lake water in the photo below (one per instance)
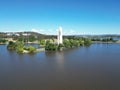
(86, 68)
(116, 38)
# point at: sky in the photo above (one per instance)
(76, 17)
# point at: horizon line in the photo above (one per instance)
(56, 34)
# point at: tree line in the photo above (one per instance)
(20, 47)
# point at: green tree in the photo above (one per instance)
(20, 44)
(51, 47)
(47, 42)
(76, 43)
(11, 45)
(81, 42)
(42, 42)
(3, 41)
(21, 38)
(32, 38)
(31, 49)
(67, 43)
(19, 47)
(111, 39)
(60, 46)
(87, 42)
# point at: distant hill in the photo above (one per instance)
(25, 34)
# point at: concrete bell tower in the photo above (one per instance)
(60, 36)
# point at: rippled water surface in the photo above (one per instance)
(86, 68)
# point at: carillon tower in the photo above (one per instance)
(60, 37)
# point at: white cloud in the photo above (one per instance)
(71, 32)
(34, 30)
(42, 31)
(54, 32)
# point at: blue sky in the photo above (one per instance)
(74, 16)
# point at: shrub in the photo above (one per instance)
(20, 49)
(51, 47)
(31, 49)
(11, 45)
(3, 41)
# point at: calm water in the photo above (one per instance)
(87, 68)
(116, 38)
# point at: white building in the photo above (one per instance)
(60, 37)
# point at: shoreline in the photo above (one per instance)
(3, 43)
(109, 42)
(93, 42)
(38, 50)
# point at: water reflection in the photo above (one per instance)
(56, 56)
(60, 59)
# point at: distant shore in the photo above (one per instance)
(105, 42)
(92, 42)
(2, 43)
